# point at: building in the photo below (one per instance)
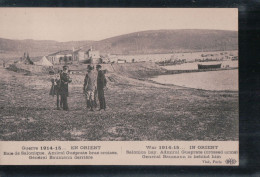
(75, 56)
(61, 57)
(93, 56)
(121, 61)
(89, 56)
(86, 56)
(79, 55)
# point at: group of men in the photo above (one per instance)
(94, 84)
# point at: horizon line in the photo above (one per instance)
(116, 36)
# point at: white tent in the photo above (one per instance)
(43, 62)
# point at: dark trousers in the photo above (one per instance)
(64, 101)
(59, 103)
(101, 98)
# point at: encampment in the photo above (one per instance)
(43, 62)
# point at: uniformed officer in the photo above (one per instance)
(64, 87)
(55, 88)
(58, 82)
(101, 84)
(89, 88)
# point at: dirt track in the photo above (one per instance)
(137, 110)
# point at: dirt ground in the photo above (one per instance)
(137, 110)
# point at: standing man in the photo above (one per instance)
(101, 84)
(64, 87)
(55, 88)
(58, 83)
(89, 87)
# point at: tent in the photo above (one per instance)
(43, 62)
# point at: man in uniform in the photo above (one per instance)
(55, 88)
(89, 87)
(58, 82)
(64, 87)
(101, 84)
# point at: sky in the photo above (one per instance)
(75, 24)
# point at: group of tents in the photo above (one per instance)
(42, 62)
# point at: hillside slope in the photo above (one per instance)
(165, 41)
(36, 47)
(145, 42)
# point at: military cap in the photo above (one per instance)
(98, 66)
(90, 67)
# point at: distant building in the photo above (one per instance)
(93, 56)
(121, 61)
(89, 56)
(75, 56)
(79, 55)
(61, 57)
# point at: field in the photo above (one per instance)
(137, 110)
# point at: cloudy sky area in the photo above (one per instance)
(73, 24)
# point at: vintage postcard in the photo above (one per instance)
(119, 86)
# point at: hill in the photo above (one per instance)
(166, 41)
(36, 47)
(145, 42)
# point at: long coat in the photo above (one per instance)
(53, 89)
(91, 85)
(90, 81)
(64, 85)
(55, 86)
(101, 80)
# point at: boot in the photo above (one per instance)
(91, 105)
(88, 104)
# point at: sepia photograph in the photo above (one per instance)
(119, 74)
